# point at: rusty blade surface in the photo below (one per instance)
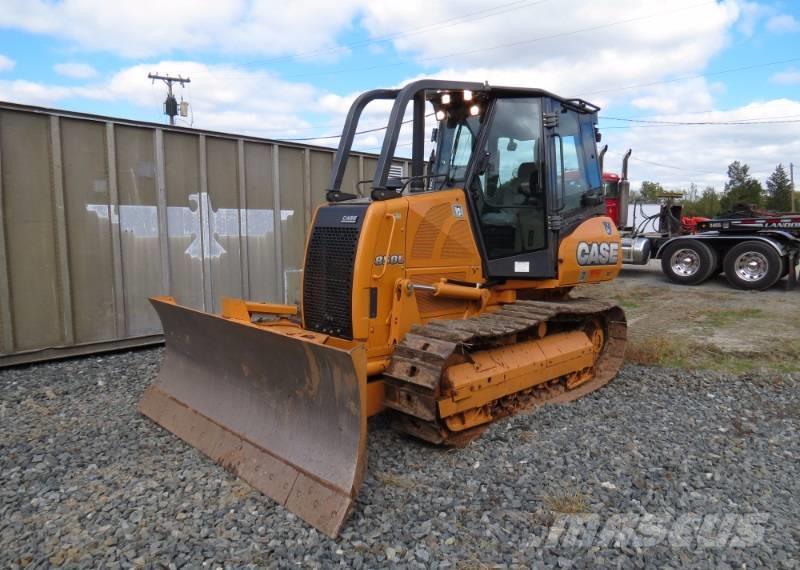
(284, 414)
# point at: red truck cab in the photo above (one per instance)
(611, 193)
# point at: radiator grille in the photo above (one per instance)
(328, 280)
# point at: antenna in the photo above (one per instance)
(170, 103)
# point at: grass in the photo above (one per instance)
(730, 331)
(723, 317)
(567, 501)
(659, 350)
(673, 351)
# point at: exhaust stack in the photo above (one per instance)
(624, 191)
(600, 158)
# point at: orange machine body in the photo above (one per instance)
(417, 240)
(415, 261)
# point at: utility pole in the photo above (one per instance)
(791, 179)
(170, 103)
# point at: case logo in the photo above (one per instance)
(458, 211)
(350, 219)
(598, 253)
(607, 227)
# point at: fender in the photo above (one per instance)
(778, 246)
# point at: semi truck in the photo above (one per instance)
(754, 249)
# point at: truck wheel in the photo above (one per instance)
(688, 262)
(753, 265)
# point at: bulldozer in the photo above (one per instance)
(442, 298)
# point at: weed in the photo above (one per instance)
(395, 480)
(471, 564)
(568, 501)
(657, 350)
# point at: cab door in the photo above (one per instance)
(576, 188)
(509, 193)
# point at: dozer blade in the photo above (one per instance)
(285, 414)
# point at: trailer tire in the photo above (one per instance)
(753, 265)
(689, 261)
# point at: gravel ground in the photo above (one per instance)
(668, 467)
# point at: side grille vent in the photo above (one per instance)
(328, 280)
(429, 231)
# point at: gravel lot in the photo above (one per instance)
(87, 481)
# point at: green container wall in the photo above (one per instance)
(97, 214)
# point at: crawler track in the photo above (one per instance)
(417, 375)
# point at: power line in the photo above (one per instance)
(328, 137)
(501, 46)
(745, 121)
(647, 123)
(496, 10)
(700, 123)
(608, 90)
(674, 167)
(697, 76)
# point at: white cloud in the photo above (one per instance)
(676, 35)
(75, 70)
(783, 23)
(6, 63)
(684, 96)
(701, 153)
(787, 77)
(591, 53)
(616, 54)
(144, 28)
(222, 97)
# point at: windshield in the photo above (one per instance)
(456, 141)
(610, 188)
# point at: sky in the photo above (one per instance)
(289, 70)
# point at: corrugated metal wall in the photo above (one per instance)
(97, 214)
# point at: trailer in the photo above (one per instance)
(753, 252)
(753, 249)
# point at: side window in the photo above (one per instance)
(589, 149)
(462, 149)
(571, 169)
(455, 152)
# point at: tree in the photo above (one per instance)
(692, 192)
(779, 190)
(708, 204)
(650, 191)
(741, 188)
